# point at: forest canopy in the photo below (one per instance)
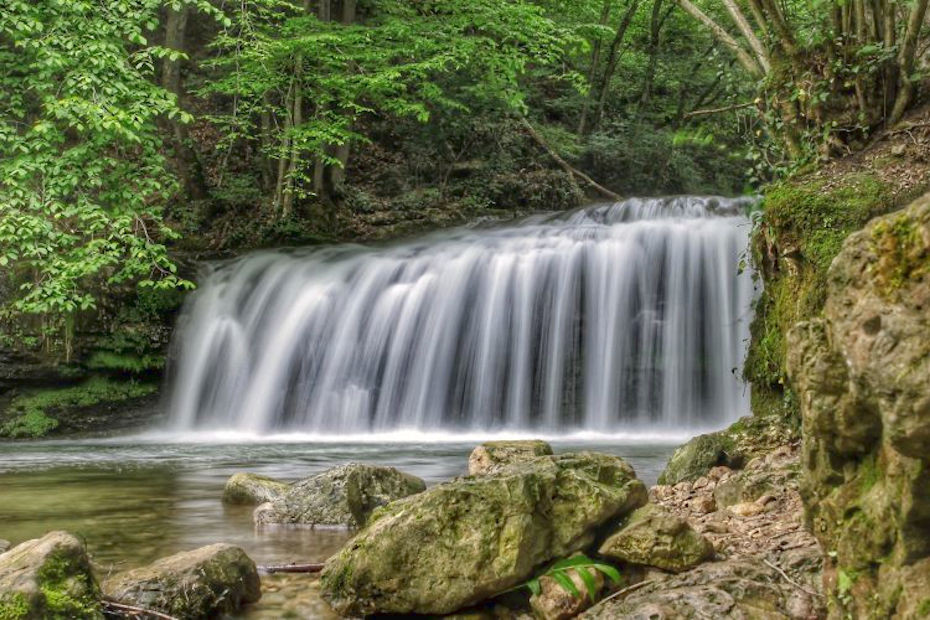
(136, 130)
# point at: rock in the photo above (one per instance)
(463, 541)
(493, 455)
(746, 509)
(759, 479)
(343, 496)
(202, 583)
(554, 602)
(862, 376)
(251, 489)
(652, 536)
(738, 588)
(704, 504)
(697, 457)
(48, 577)
(4, 545)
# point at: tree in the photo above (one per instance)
(829, 72)
(82, 176)
(302, 80)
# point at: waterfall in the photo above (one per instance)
(631, 315)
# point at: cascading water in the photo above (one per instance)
(617, 317)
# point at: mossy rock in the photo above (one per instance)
(493, 455)
(342, 496)
(252, 489)
(463, 541)
(202, 583)
(652, 536)
(48, 577)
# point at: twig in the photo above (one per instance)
(626, 590)
(291, 568)
(709, 111)
(132, 610)
(790, 580)
(565, 165)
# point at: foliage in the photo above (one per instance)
(33, 414)
(580, 564)
(82, 171)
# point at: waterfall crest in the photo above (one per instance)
(632, 315)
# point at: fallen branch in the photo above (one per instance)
(131, 611)
(709, 111)
(565, 165)
(290, 568)
(790, 580)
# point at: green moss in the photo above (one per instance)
(33, 414)
(924, 608)
(902, 252)
(869, 473)
(14, 606)
(68, 594)
(804, 223)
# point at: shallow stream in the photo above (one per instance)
(136, 499)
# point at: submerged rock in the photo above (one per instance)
(862, 374)
(250, 489)
(48, 577)
(738, 588)
(4, 545)
(202, 583)
(492, 455)
(343, 496)
(463, 541)
(652, 536)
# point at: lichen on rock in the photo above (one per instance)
(463, 541)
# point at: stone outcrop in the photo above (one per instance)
(493, 455)
(652, 536)
(463, 541)
(738, 588)
(252, 489)
(48, 577)
(202, 583)
(343, 496)
(862, 373)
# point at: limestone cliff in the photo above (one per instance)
(862, 374)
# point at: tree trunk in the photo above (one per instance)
(906, 60)
(592, 73)
(613, 56)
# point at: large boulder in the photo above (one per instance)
(252, 489)
(862, 374)
(740, 588)
(652, 536)
(697, 456)
(48, 577)
(493, 455)
(343, 496)
(202, 583)
(463, 541)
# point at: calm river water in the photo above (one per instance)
(134, 500)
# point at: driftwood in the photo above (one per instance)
(131, 611)
(709, 111)
(290, 568)
(565, 165)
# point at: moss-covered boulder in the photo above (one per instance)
(862, 373)
(202, 583)
(252, 489)
(695, 458)
(463, 541)
(48, 577)
(492, 455)
(342, 496)
(652, 536)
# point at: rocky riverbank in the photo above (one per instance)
(527, 533)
